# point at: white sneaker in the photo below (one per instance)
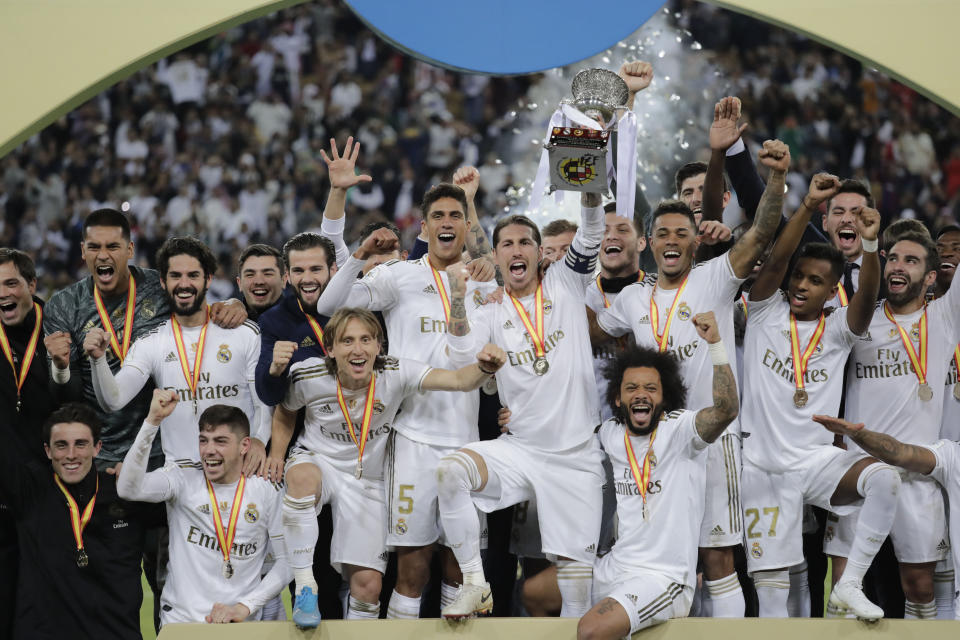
(848, 595)
(471, 600)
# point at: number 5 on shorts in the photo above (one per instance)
(755, 514)
(405, 502)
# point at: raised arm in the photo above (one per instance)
(342, 175)
(822, 187)
(711, 421)
(776, 156)
(344, 290)
(470, 377)
(724, 131)
(584, 250)
(478, 246)
(881, 446)
(864, 300)
(638, 76)
(134, 483)
(113, 392)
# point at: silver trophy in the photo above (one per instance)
(599, 94)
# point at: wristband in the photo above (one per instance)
(810, 208)
(489, 373)
(718, 354)
(869, 246)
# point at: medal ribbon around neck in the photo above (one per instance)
(603, 294)
(800, 361)
(317, 329)
(118, 350)
(956, 361)
(442, 290)
(842, 296)
(743, 301)
(919, 361)
(193, 378)
(662, 340)
(225, 538)
(78, 521)
(361, 442)
(536, 332)
(641, 472)
(28, 353)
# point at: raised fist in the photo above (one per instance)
(637, 75)
(468, 179)
(96, 342)
(706, 324)
(776, 155)
(868, 223)
(58, 347)
(282, 352)
(823, 186)
(162, 405)
(491, 357)
(380, 242)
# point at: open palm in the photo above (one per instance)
(342, 169)
(725, 129)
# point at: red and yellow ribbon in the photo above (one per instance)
(956, 359)
(641, 472)
(535, 328)
(800, 360)
(118, 350)
(662, 340)
(225, 538)
(28, 353)
(919, 361)
(361, 440)
(743, 301)
(317, 329)
(78, 521)
(444, 299)
(606, 303)
(192, 377)
(842, 296)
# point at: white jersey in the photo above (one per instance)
(325, 430)
(666, 542)
(598, 300)
(407, 294)
(227, 375)
(194, 579)
(947, 473)
(882, 389)
(711, 286)
(950, 425)
(782, 435)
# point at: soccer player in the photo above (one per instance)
(658, 311)
(895, 384)
(948, 246)
(839, 224)
(414, 297)
(793, 359)
(205, 364)
(260, 278)
(351, 398)
(557, 236)
(220, 520)
(550, 452)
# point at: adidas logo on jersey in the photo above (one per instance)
(591, 549)
(429, 289)
(644, 320)
(632, 597)
(325, 409)
(171, 357)
(508, 324)
(307, 342)
(943, 546)
(717, 531)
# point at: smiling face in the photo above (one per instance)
(620, 246)
(555, 247)
(518, 256)
(811, 284)
(106, 253)
(309, 274)
(71, 451)
(260, 282)
(186, 285)
(905, 273)
(446, 226)
(641, 399)
(839, 222)
(16, 295)
(691, 194)
(948, 245)
(355, 349)
(221, 453)
(673, 241)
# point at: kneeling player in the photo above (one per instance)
(351, 398)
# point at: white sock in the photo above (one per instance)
(448, 593)
(943, 593)
(300, 531)
(273, 610)
(773, 589)
(916, 611)
(798, 602)
(344, 594)
(726, 596)
(575, 580)
(402, 607)
(457, 476)
(359, 610)
(879, 485)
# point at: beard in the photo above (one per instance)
(622, 415)
(199, 301)
(912, 292)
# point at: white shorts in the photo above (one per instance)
(722, 524)
(919, 532)
(773, 505)
(566, 486)
(413, 517)
(359, 512)
(648, 598)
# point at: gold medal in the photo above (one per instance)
(192, 377)
(800, 398)
(541, 366)
(534, 329)
(925, 392)
(641, 471)
(918, 357)
(119, 348)
(225, 537)
(359, 439)
(802, 360)
(663, 340)
(79, 521)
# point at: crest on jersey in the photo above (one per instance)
(147, 310)
(204, 508)
(478, 298)
(223, 354)
(401, 526)
(915, 332)
(547, 307)
(756, 550)
(251, 515)
(653, 459)
(378, 407)
(683, 311)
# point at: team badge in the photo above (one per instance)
(478, 298)
(547, 307)
(204, 509)
(401, 526)
(251, 515)
(915, 332)
(683, 311)
(147, 310)
(653, 460)
(378, 407)
(756, 551)
(223, 354)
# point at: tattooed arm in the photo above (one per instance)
(458, 325)
(468, 179)
(881, 446)
(711, 421)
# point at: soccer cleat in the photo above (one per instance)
(848, 596)
(306, 615)
(472, 600)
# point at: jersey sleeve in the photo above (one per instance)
(344, 290)
(381, 285)
(693, 444)
(270, 389)
(333, 229)
(615, 319)
(142, 355)
(724, 283)
(580, 262)
(414, 372)
(295, 399)
(946, 453)
(837, 323)
(761, 310)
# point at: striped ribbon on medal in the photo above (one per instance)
(225, 538)
(192, 377)
(360, 441)
(535, 328)
(641, 472)
(919, 361)
(606, 303)
(956, 360)
(800, 360)
(444, 299)
(663, 339)
(842, 296)
(119, 350)
(317, 329)
(78, 521)
(28, 353)
(743, 301)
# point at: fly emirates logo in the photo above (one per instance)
(890, 363)
(784, 368)
(521, 358)
(206, 390)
